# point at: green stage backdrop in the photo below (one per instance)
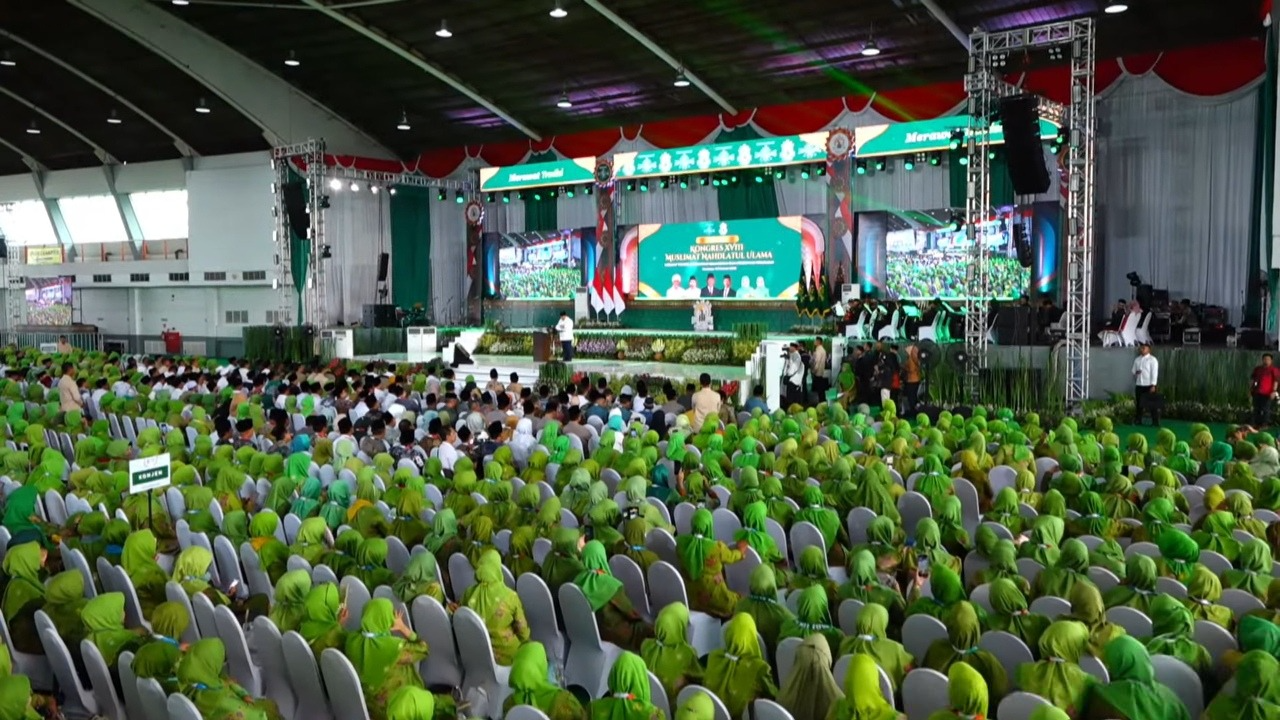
(760, 258)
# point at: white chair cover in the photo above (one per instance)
(274, 672)
(304, 677)
(344, 686)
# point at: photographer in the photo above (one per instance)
(793, 375)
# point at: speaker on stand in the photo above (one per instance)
(1020, 117)
(384, 260)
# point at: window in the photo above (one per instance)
(277, 317)
(102, 278)
(237, 317)
(162, 215)
(140, 277)
(179, 277)
(93, 219)
(27, 223)
(255, 275)
(215, 276)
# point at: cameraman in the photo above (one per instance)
(1266, 382)
(793, 375)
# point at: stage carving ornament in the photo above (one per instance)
(474, 213)
(839, 143)
(702, 319)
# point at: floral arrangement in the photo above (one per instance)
(706, 350)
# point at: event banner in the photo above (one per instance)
(44, 255)
(533, 175)
(759, 259)
(926, 135)
(737, 155)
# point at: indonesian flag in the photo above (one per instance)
(596, 287)
(619, 304)
(1265, 13)
(606, 292)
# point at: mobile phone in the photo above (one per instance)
(922, 567)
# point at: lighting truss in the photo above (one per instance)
(985, 89)
(13, 282)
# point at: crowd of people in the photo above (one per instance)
(540, 282)
(946, 275)
(620, 473)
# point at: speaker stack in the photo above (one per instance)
(1020, 116)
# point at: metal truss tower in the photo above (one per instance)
(306, 159)
(985, 87)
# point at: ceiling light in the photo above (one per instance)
(1114, 8)
(871, 49)
(355, 187)
(404, 121)
(392, 191)
(33, 129)
(564, 101)
(181, 2)
(444, 32)
(114, 118)
(292, 60)
(7, 60)
(373, 189)
(335, 184)
(558, 12)
(681, 80)
(203, 108)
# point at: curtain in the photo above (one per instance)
(411, 247)
(449, 262)
(358, 230)
(748, 198)
(578, 211)
(796, 196)
(672, 205)
(541, 215)
(505, 217)
(1174, 184)
(927, 187)
(1001, 183)
(299, 254)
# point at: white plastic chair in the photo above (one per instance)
(104, 689)
(357, 595)
(275, 675)
(1240, 602)
(857, 521)
(981, 596)
(154, 704)
(1019, 705)
(344, 686)
(173, 592)
(1182, 680)
(632, 577)
(441, 668)
(131, 701)
(481, 671)
(77, 698)
(304, 677)
(913, 507)
(804, 535)
(589, 658)
(1103, 578)
(1008, 649)
(540, 610)
(667, 586)
(1134, 621)
(1171, 586)
(919, 632)
(461, 575)
(239, 663)
(924, 692)
(726, 524)
(1050, 606)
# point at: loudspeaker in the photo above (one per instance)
(460, 356)
(295, 206)
(383, 259)
(1020, 116)
(1022, 244)
(380, 316)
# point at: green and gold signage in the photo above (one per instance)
(740, 155)
(926, 136)
(534, 175)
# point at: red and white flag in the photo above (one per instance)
(606, 292)
(619, 303)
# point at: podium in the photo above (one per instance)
(542, 346)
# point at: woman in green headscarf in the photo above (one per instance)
(961, 646)
(1009, 613)
(273, 555)
(384, 662)
(947, 590)
(1003, 564)
(1071, 567)
(310, 542)
(810, 691)
(755, 532)
(1215, 534)
(966, 695)
(928, 554)
(159, 657)
(1158, 515)
(21, 520)
(564, 563)
(812, 571)
(1257, 692)
(950, 519)
(1087, 609)
(322, 625)
(371, 559)
(200, 677)
(499, 607)
(628, 697)
(1203, 593)
(1172, 627)
(813, 615)
(867, 585)
(1220, 454)
(16, 699)
(444, 539)
(289, 606)
(634, 532)
(24, 594)
(420, 577)
(1138, 587)
(668, 653)
(1004, 510)
(884, 541)
(738, 673)
(870, 638)
(308, 501)
(617, 619)
(763, 606)
(702, 560)
(530, 686)
(334, 511)
(1132, 693)
(103, 620)
(813, 510)
(1057, 676)
(861, 698)
(1253, 569)
(138, 559)
(1046, 536)
(1179, 554)
(64, 602)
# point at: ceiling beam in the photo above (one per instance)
(662, 55)
(420, 61)
(283, 113)
(27, 159)
(104, 156)
(945, 20)
(184, 147)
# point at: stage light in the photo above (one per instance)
(33, 129)
(681, 80)
(180, 3)
(909, 164)
(704, 181)
(759, 177)
(506, 197)
(957, 139)
(569, 192)
(114, 118)
(553, 194)
(1115, 8)
(373, 189)
(991, 154)
(733, 178)
(355, 187)
(822, 170)
(522, 195)
(871, 49)
(442, 195)
(391, 191)
(444, 32)
(335, 184)
(880, 165)
(203, 108)
(558, 12)
(684, 184)
(588, 189)
(292, 60)
(644, 186)
(404, 121)
(860, 167)
(664, 183)
(490, 197)
(537, 195)
(935, 160)
(631, 185)
(779, 174)
(564, 102)
(964, 160)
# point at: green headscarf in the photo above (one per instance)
(1072, 567)
(1009, 613)
(628, 697)
(1253, 571)
(596, 579)
(411, 703)
(374, 650)
(288, 608)
(1179, 553)
(1133, 690)
(668, 653)
(103, 619)
(528, 680)
(490, 590)
(322, 608)
(1204, 590)
(191, 567)
(15, 699)
(813, 615)
(961, 646)
(870, 638)
(64, 601)
(22, 566)
(966, 695)
(420, 577)
(19, 511)
(862, 697)
(736, 672)
(1257, 693)
(695, 547)
(761, 603)
(1172, 627)
(1057, 677)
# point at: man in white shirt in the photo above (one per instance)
(565, 329)
(793, 374)
(819, 368)
(1146, 374)
(447, 453)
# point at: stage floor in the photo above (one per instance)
(528, 369)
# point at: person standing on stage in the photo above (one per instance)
(565, 329)
(1266, 383)
(819, 368)
(1146, 373)
(793, 375)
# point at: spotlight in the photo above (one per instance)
(324, 200)
(458, 197)
(569, 192)
(964, 160)
(588, 189)
(444, 32)
(373, 189)
(564, 101)
(733, 178)
(537, 195)
(871, 49)
(822, 170)
(490, 197)
(716, 182)
(404, 121)
(957, 139)
(684, 184)
(558, 12)
(355, 187)
(954, 222)
(1115, 8)
(759, 177)
(681, 80)
(335, 184)
(292, 60)
(779, 174)
(880, 165)
(326, 252)
(392, 191)
(631, 185)
(644, 186)
(935, 160)
(860, 167)
(664, 183)
(506, 197)
(909, 164)
(804, 172)
(704, 181)
(553, 194)
(441, 195)
(114, 118)
(991, 154)
(33, 129)
(521, 196)
(181, 2)
(202, 107)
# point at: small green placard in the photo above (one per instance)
(534, 175)
(149, 473)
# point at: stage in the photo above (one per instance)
(527, 369)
